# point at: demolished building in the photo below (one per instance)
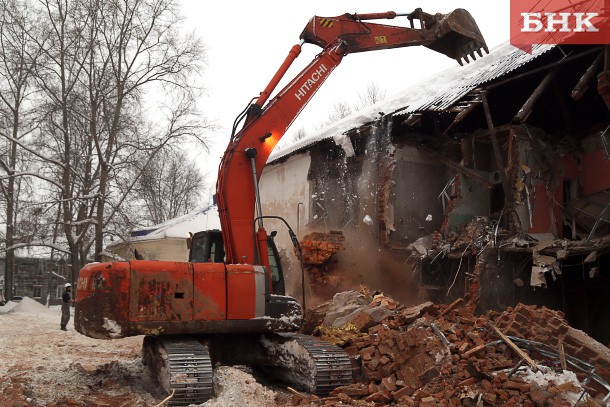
(491, 181)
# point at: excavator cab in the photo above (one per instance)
(207, 247)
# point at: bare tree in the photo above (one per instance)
(340, 111)
(372, 95)
(139, 50)
(298, 135)
(102, 63)
(18, 57)
(171, 187)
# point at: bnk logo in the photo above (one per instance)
(558, 22)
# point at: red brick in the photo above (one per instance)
(355, 392)
(388, 384)
(503, 395)
(467, 382)
(367, 353)
(382, 396)
(512, 385)
(400, 393)
(502, 376)
(486, 385)
(489, 398)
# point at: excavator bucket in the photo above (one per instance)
(457, 35)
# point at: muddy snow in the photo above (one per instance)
(44, 366)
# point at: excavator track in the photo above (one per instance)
(332, 364)
(184, 368)
(307, 362)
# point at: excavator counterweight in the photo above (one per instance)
(227, 303)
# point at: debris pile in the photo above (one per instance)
(438, 355)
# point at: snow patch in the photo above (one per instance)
(546, 376)
(345, 142)
(236, 387)
(6, 308)
(112, 327)
(30, 306)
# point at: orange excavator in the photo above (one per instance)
(227, 304)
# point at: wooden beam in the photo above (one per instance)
(562, 356)
(514, 347)
(528, 106)
(452, 306)
(462, 114)
(496, 148)
(460, 168)
(484, 134)
(583, 84)
(571, 248)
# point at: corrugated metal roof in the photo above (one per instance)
(441, 91)
(436, 93)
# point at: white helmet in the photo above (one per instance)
(67, 285)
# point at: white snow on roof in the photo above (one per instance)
(34, 252)
(201, 219)
(440, 91)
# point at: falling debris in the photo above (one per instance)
(317, 254)
(319, 247)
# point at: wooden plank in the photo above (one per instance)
(474, 350)
(293, 391)
(514, 347)
(165, 400)
(528, 106)
(562, 356)
(452, 306)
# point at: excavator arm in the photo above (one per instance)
(455, 35)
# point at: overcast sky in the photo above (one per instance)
(247, 41)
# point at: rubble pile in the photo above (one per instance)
(438, 355)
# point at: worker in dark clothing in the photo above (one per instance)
(65, 306)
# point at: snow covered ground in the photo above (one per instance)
(40, 365)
